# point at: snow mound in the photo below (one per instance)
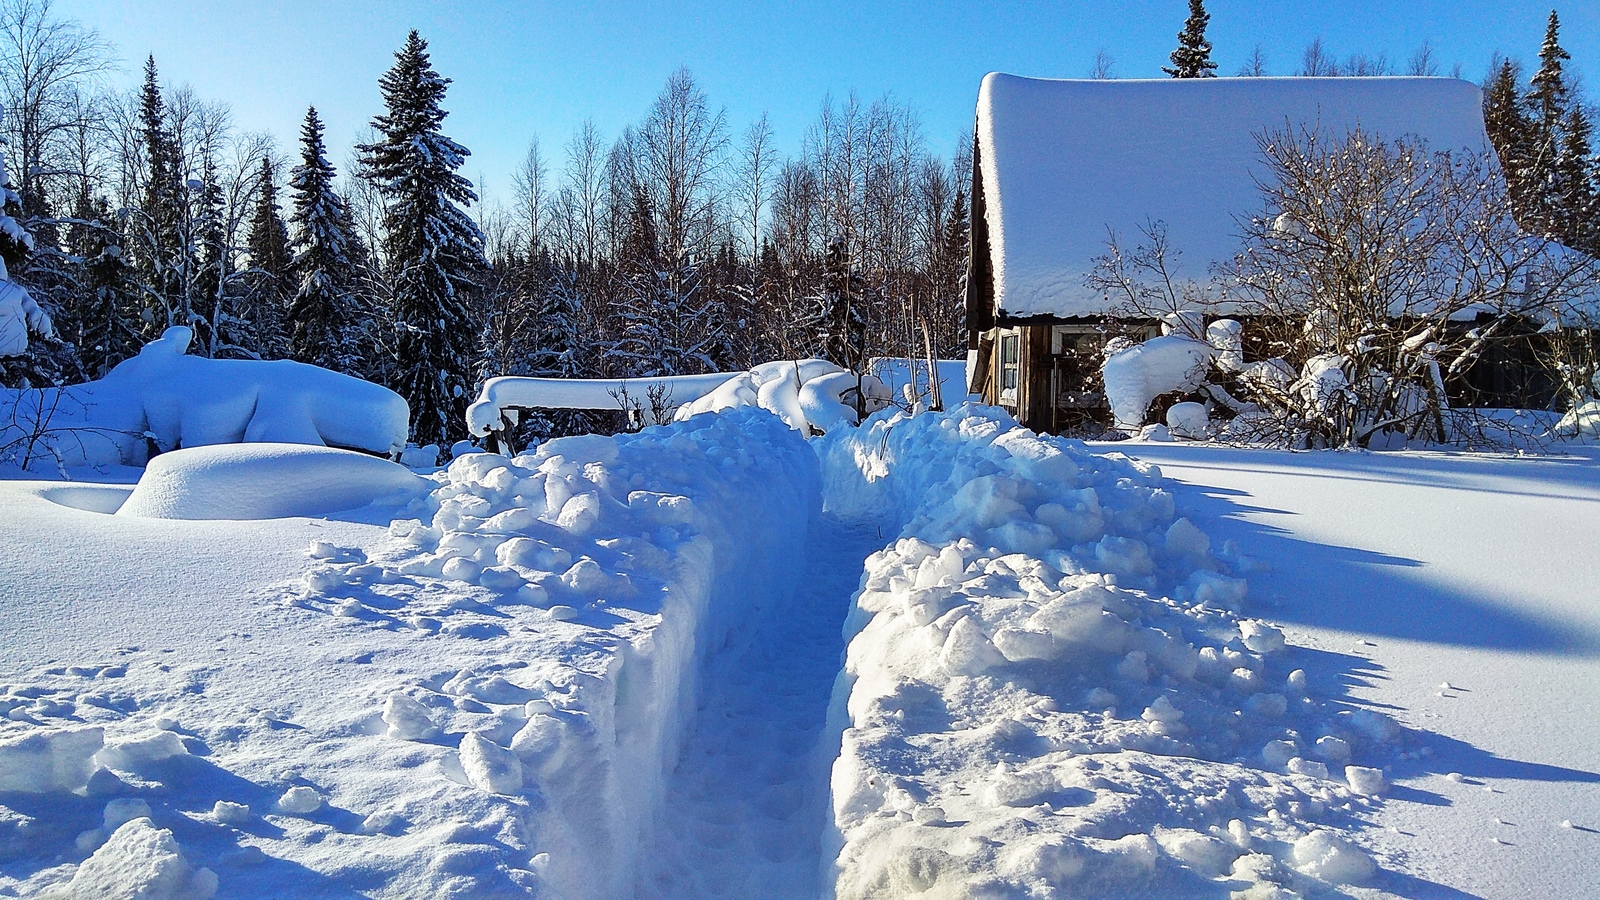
(169, 399)
(139, 862)
(264, 481)
(1048, 681)
(1143, 372)
(812, 396)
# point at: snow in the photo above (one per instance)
(139, 862)
(265, 481)
(169, 399)
(1066, 163)
(1143, 372)
(1048, 682)
(499, 396)
(611, 667)
(1398, 573)
(810, 395)
(20, 314)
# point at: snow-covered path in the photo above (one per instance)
(747, 806)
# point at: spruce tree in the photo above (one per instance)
(1574, 183)
(108, 321)
(322, 311)
(839, 311)
(1547, 101)
(1510, 132)
(267, 282)
(160, 220)
(212, 263)
(433, 249)
(1192, 59)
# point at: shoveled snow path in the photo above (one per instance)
(746, 808)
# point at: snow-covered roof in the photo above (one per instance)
(1064, 163)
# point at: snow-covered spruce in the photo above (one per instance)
(1049, 683)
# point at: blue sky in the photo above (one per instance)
(537, 67)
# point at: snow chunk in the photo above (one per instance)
(407, 719)
(40, 762)
(300, 800)
(124, 809)
(1364, 781)
(1325, 855)
(140, 862)
(229, 813)
(264, 481)
(133, 754)
(489, 766)
(1260, 637)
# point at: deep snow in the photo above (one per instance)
(1456, 591)
(604, 669)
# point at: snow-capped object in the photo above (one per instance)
(1189, 420)
(168, 398)
(1139, 374)
(45, 761)
(807, 394)
(812, 396)
(1061, 162)
(20, 314)
(500, 395)
(265, 481)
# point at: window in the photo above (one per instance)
(1010, 366)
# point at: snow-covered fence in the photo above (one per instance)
(809, 395)
(503, 401)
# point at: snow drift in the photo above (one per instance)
(1050, 685)
(265, 481)
(163, 399)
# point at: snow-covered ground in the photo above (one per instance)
(1457, 592)
(614, 667)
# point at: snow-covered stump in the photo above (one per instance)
(642, 551)
(1049, 684)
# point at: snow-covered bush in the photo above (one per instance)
(1378, 271)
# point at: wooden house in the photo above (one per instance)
(1060, 166)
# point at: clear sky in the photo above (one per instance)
(544, 67)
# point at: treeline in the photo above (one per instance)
(676, 247)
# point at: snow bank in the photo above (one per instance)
(265, 481)
(1050, 686)
(812, 396)
(591, 579)
(169, 399)
(1063, 162)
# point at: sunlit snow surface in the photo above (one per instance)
(604, 669)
